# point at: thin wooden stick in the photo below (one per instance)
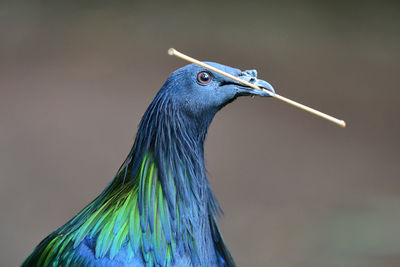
(174, 52)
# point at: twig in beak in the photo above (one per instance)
(173, 52)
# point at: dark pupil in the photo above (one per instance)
(204, 77)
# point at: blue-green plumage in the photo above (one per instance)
(159, 209)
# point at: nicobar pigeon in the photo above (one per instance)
(159, 209)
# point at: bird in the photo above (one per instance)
(159, 209)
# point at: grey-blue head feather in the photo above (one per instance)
(200, 92)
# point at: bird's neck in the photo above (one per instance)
(176, 141)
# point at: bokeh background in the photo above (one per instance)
(76, 77)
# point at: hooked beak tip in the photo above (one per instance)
(267, 89)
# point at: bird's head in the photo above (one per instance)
(201, 92)
(175, 124)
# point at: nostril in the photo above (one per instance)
(252, 73)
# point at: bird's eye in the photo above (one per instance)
(204, 77)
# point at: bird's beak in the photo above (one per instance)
(251, 77)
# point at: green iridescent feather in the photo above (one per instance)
(131, 214)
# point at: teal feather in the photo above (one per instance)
(123, 214)
(134, 227)
(143, 205)
(153, 194)
(119, 239)
(105, 238)
(146, 241)
(164, 217)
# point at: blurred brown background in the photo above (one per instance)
(76, 78)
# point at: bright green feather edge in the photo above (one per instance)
(113, 219)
